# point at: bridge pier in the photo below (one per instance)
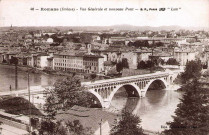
(106, 104)
(143, 93)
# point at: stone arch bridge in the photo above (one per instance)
(136, 86)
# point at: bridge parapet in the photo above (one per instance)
(128, 79)
(136, 85)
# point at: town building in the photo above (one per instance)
(32, 60)
(42, 61)
(98, 121)
(68, 62)
(78, 62)
(96, 38)
(21, 59)
(165, 56)
(184, 55)
(143, 55)
(93, 63)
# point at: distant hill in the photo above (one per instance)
(100, 28)
(143, 28)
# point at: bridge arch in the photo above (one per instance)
(163, 81)
(99, 97)
(135, 91)
(106, 101)
(131, 88)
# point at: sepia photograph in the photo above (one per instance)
(104, 67)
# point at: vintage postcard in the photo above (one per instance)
(104, 67)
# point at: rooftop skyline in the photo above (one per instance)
(191, 13)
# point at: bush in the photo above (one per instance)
(18, 105)
(172, 61)
(192, 71)
(127, 125)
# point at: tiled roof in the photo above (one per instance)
(108, 63)
(88, 117)
(162, 54)
(92, 56)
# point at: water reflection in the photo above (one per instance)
(7, 78)
(155, 109)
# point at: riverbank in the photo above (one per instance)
(82, 76)
(34, 70)
(173, 87)
(22, 68)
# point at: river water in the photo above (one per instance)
(7, 78)
(155, 109)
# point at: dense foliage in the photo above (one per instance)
(122, 64)
(13, 60)
(119, 67)
(75, 128)
(144, 43)
(192, 71)
(125, 63)
(172, 61)
(145, 64)
(192, 114)
(18, 105)
(48, 127)
(65, 94)
(129, 124)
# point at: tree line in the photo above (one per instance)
(192, 114)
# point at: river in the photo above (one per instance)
(155, 109)
(7, 78)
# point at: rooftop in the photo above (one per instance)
(88, 117)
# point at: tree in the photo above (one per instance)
(158, 44)
(19, 105)
(125, 63)
(141, 65)
(139, 43)
(85, 38)
(172, 61)
(162, 62)
(65, 94)
(192, 71)
(48, 127)
(129, 124)
(93, 76)
(192, 114)
(149, 64)
(75, 128)
(122, 64)
(14, 60)
(119, 67)
(156, 61)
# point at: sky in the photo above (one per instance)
(193, 13)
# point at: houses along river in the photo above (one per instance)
(154, 110)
